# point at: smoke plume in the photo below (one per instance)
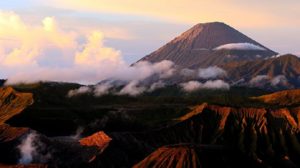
(30, 150)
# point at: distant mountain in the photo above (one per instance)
(286, 67)
(209, 44)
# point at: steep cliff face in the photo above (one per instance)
(12, 103)
(252, 136)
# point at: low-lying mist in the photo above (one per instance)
(32, 150)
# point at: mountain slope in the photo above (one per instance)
(283, 98)
(181, 156)
(12, 103)
(226, 136)
(196, 47)
(287, 66)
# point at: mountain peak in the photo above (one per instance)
(196, 46)
(211, 35)
(216, 23)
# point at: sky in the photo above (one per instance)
(63, 34)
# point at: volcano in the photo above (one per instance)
(210, 44)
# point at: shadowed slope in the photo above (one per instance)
(251, 136)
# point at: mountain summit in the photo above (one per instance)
(210, 44)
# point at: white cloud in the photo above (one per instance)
(187, 72)
(275, 56)
(22, 43)
(102, 88)
(156, 85)
(277, 80)
(95, 53)
(45, 52)
(239, 46)
(79, 91)
(211, 84)
(97, 90)
(27, 149)
(211, 72)
(191, 86)
(30, 150)
(259, 79)
(164, 68)
(132, 89)
(143, 70)
(216, 84)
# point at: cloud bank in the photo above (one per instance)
(261, 80)
(46, 52)
(278, 80)
(131, 88)
(211, 72)
(103, 89)
(79, 91)
(211, 84)
(240, 46)
(156, 85)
